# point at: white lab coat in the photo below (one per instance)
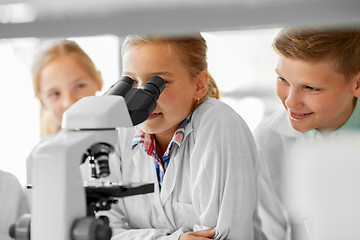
(276, 140)
(210, 181)
(13, 202)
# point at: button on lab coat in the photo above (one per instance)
(210, 181)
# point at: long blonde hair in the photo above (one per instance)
(193, 50)
(48, 52)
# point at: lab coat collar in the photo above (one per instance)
(146, 169)
(188, 129)
(170, 179)
(171, 172)
(173, 168)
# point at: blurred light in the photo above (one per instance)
(322, 187)
(242, 60)
(17, 13)
(251, 109)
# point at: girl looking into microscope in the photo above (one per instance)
(197, 150)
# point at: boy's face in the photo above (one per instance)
(314, 95)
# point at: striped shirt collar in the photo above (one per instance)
(148, 140)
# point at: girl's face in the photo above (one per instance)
(141, 62)
(62, 82)
(314, 95)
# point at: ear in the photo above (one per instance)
(202, 82)
(356, 80)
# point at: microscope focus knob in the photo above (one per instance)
(90, 228)
(21, 229)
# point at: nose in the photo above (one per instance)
(293, 99)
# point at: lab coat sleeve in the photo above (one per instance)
(223, 172)
(121, 229)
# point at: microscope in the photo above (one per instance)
(62, 207)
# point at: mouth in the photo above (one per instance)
(299, 116)
(153, 115)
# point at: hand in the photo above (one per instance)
(198, 235)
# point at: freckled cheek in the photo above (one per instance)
(170, 103)
(163, 101)
(165, 97)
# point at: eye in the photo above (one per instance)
(312, 89)
(136, 83)
(53, 94)
(80, 85)
(281, 79)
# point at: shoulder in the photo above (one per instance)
(276, 123)
(7, 178)
(216, 121)
(275, 131)
(215, 112)
(275, 118)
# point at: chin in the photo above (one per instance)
(299, 128)
(147, 129)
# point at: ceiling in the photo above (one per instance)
(46, 18)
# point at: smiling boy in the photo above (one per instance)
(318, 84)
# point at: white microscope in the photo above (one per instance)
(60, 202)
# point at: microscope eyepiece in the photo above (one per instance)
(139, 101)
(121, 87)
(154, 86)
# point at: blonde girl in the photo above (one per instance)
(198, 151)
(62, 74)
